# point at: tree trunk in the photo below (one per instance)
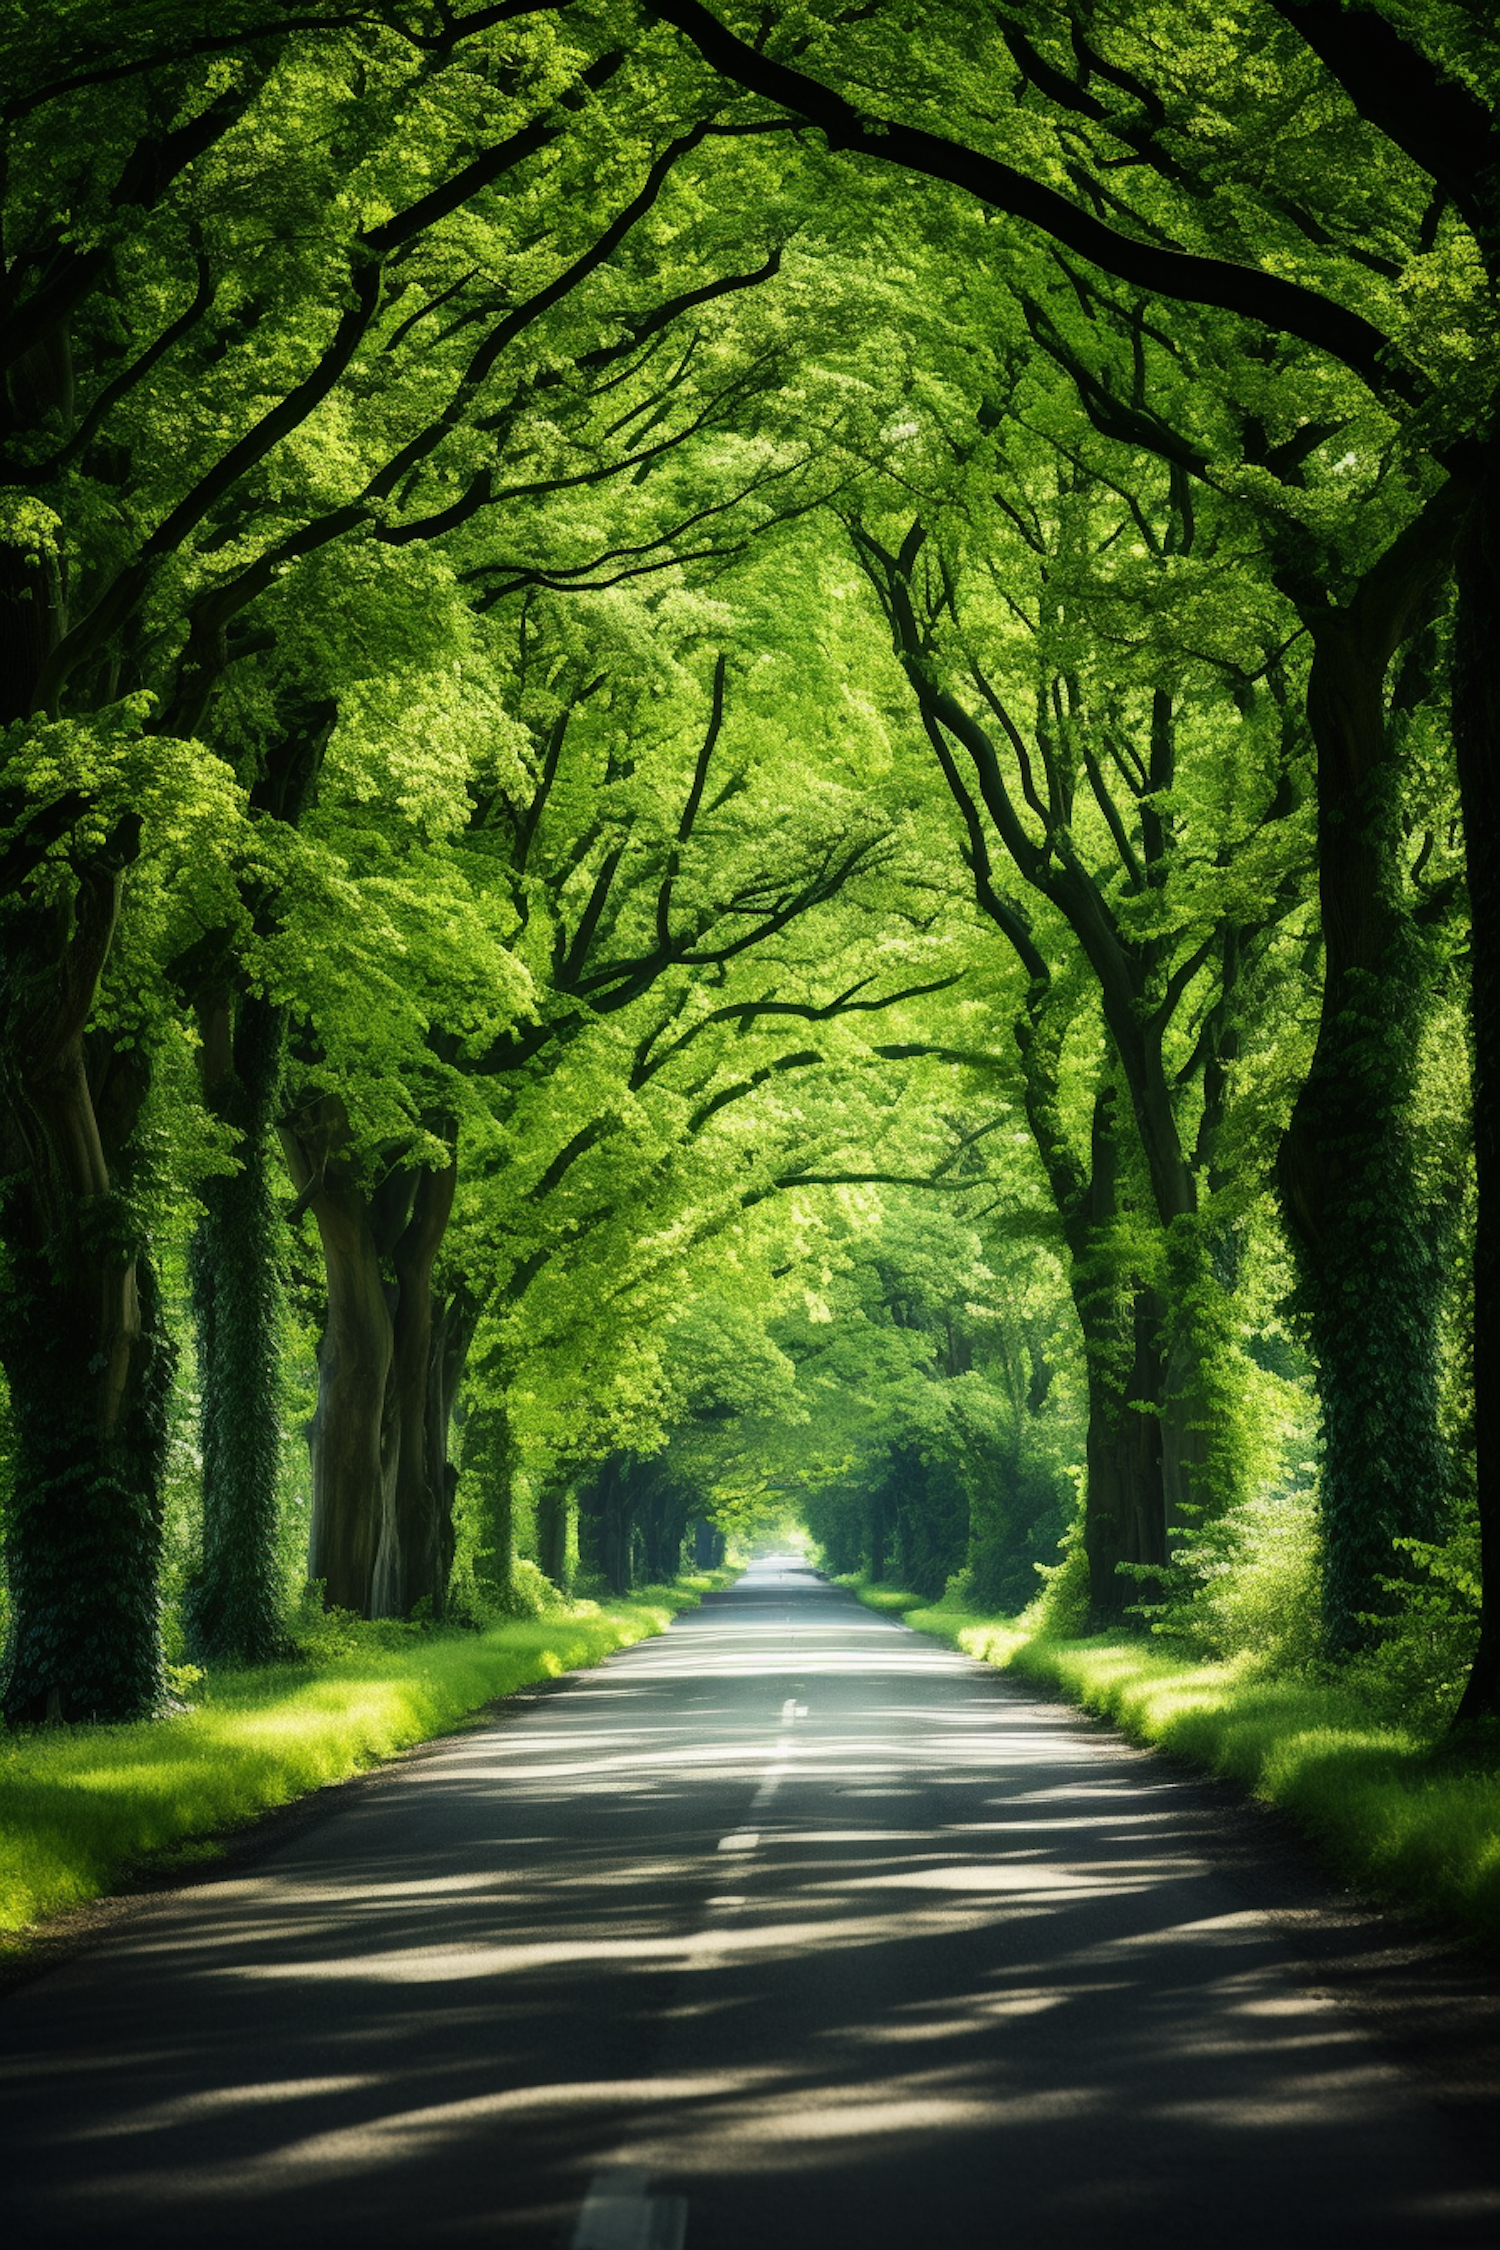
(1125, 1501)
(604, 1523)
(1476, 732)
(880, 1531)
(492, 1448)
(1184, 1447)
(708, 1545)
(1201, 1467)
(86, 1354)
(1368, 1252)
(235, 1605)
(552, 1533)
(346, 1435)
(660, 1553)
(410, 1564)
(1124, 1512)
(454, 1321)
(381, 1534)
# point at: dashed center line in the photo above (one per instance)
(618, 2214)
(748, 1839)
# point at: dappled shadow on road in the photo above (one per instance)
(824, 1926)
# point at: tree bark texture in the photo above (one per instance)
(1125, 1498)
(86, 1354)
(1476, 730)
(1368, 1251)
(1124, 1520)
(378, 1541)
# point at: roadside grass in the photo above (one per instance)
(1412, 1823)
(84, 1808)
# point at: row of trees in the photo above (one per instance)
(636, 650)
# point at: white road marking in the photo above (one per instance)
(618, 2214)
(740, 1840)
(774, 1775)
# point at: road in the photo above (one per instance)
(790, 1930)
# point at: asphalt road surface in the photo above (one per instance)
(788, 1931)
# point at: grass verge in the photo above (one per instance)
(83, 1808)
(1411, 1823)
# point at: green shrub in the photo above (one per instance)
(1245, 1582)
(1416, 1673)
(532, 1593)
(1061, 1607)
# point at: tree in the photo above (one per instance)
(1159, 227)
(171, 209)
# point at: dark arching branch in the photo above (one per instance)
(1189, 278)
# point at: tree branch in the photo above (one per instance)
(1435, 120)
(1284, 306)
(689, 812)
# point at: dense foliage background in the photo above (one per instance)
(749, 781)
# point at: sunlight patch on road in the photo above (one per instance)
(211, 2101)
(454, 1964)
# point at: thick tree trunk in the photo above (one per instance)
(653, 1518)
(1125, 1500)
(381, 1534)
(454, 1321)
(410, 1563)
(1184, 1446)
(491, 1445)
(1124, 1513)
(605, 1521)
(346, 1437)
(1200, 1464)
(552, 1533)
(1476, 729)
(83, 1549)
(86, 1355)
(1368, 1252)
(235, 1606)
(708, 1545)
